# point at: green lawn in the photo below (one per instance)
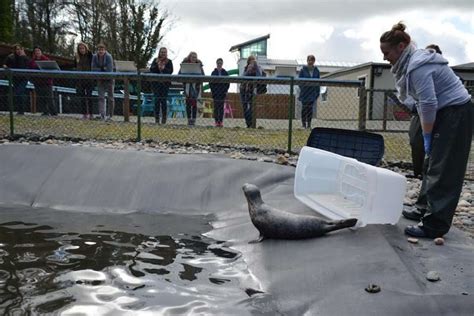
(396, 144)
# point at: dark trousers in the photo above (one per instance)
(446, 166)
(84, 93)
(161, 103)
(20, 95)
(191, 108)
(219, 109)
(416, 143)
(307, 113)
(247, 99)
(44, 97)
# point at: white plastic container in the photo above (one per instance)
(339, 187)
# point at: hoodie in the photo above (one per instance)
(433, 84)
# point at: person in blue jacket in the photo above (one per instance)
(219, 93)
(308, 93)
(446, 113)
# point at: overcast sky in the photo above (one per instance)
(332, 30)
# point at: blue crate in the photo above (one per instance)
(363, 146)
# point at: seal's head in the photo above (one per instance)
(252, 193)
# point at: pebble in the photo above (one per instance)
(282, 160)
(412, 240)
(439, 241)
(433, 276)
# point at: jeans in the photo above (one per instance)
(219, 109)
(20, 95)
(246, 99)
(106, 86)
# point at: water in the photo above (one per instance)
(72, 263)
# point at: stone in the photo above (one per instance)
(439, 241)
(464, 203)
(412, 240)
(282, 160)
(412, 194)
(433, 276)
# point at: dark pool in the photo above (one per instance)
(81, 263)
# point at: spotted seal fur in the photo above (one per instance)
(276, 224)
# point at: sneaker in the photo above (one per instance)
(84, 117)
(221, 124)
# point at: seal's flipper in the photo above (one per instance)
(260, 239)
(344, 223)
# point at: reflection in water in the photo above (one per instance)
(112, 272)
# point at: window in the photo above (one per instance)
(256, 49)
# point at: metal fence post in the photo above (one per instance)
(362, 108)
(139, 107)
(10, 101)
(291, 111)
(385, 101)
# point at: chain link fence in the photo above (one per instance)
(263, 112)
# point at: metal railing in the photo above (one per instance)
(74, 107)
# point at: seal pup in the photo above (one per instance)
(277, 224)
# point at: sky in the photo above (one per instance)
(332, 30)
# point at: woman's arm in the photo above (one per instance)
(423, 84)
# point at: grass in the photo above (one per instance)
(396, 144)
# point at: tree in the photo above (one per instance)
(6, 20)
(131, 29)
(42, 23)
(137, 32)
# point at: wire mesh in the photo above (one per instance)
(262, 112)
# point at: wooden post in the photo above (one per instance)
(126, 101)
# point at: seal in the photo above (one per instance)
(277, 224)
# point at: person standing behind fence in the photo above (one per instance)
(84, 87)
(102, 61)
(219, 93)
(247, 89)
(446, 114)
(43, 86)
(192, 90)
(308, 93)
(161, 65)
(18, 60)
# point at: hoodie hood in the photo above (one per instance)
(422, 57)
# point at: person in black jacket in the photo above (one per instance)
(18, 60)
(161, 65)
(219, 93)
(84, 87)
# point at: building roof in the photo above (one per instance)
(468, 66)
(255, 40)
(325, 63)
(357, 67)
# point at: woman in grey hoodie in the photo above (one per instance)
(445, 111)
